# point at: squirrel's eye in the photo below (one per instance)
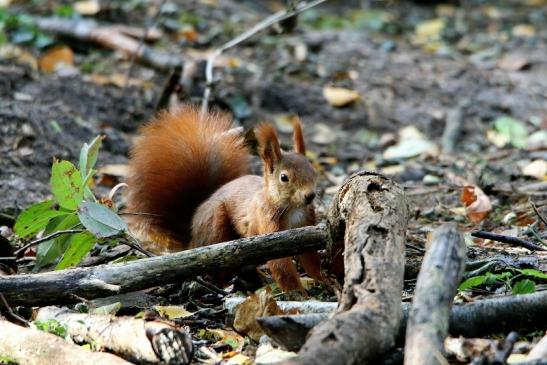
(284, 178)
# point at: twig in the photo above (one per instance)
(210, 286)
(11, 312)
(140, 213)
(264, 24)
(507, 239)
(505, 348)
(141, 43)
(536, 210)
(137, 246)
(169, 87)
(421, 250)
(47, 238)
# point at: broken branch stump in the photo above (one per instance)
(441, 272)
(371, 212)
(134, 338)
(34, 347)
(69, 286)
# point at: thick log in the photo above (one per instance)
(480, 318)
(34, 347)
(372, 212)
(67, 286)
(441, 272)
(133, 338)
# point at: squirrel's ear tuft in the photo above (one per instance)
(268, 145)
(298, 137)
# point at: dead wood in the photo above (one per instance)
(290, 331)
(34, 347)
(67, 286)
(441, 272)
(539, 351)
(372, 213)
(110, 36)
(130, 337)
(480, 318)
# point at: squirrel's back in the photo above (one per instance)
(178, 161)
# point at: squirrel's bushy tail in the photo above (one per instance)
(177, 162)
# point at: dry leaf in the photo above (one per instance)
(172, 311)
(239, 359)
(261, 304)
(267, 354)
(228, 337)
(477, 204)
(524, 30)
(537, 169)
(118, 80)
(87, 7)
(56, 58)
(513, 62)
(338, 96)
(18, 55)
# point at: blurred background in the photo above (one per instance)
(434, 94)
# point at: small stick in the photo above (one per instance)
(141, 43)
(507, 239)
(170, 86)
(210, 286)
(11, 312)
(536, 210)
(47, 238)
(264, 24)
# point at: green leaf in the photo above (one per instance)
(52, 250)
(525, 286)
(472, 282)
(51, 326)
(112, 309)
(513, 130)
(100, 220)
(80, 245)
(66, 184)
(534, 273)
(35, 218)
(89, 154)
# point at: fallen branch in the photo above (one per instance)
(66, 286)
(34, 347)
(508, 239)
(441, 272)
(539, 351)
(372, 213)
(480, 318)
(264, 24)
(130, 337)
(109, 36)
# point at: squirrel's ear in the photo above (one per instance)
(268, 145)
(298, 137)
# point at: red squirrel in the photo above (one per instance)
(190, 176)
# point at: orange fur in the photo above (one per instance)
(193, 175)
(178, 162)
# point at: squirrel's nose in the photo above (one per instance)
(309, 197)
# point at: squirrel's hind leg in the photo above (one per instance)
(211, 224)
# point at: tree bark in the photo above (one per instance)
(480, 318)
(441, 272)
(34, 347)
(372, 212)
(131, 337)
(68, 286)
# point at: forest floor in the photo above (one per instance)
(438, 97)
